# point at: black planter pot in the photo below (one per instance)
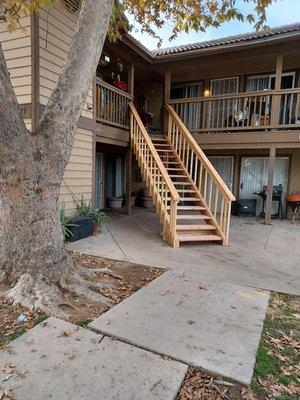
(83, 228)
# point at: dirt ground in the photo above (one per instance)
(128, 279)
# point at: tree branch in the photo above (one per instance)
(12, 126)
(61, 115)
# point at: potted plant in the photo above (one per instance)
(84, 208)
(66, 224)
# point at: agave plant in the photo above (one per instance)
(84, 208)
(66, 223)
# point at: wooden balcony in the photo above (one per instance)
(112, 105)
(270, 110)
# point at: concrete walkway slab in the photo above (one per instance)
(57, 360)
(197, 321)
(258, 255)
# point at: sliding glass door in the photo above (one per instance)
(220, 111)
(254, 175)
(190, 114)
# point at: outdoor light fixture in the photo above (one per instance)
(206, 92)
(104, 59)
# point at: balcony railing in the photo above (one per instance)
(251, 111)
(112, 105)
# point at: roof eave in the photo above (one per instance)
(226, 47)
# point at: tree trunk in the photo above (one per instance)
(31, 239)
(33, 257)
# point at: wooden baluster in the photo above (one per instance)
(216, 201)
(285, 107)
(200, 178)
(169, 127)
(227, 224)
(210, 193)
(187, 156)
(173, 133)
(195, 171)
(176, 139)
(205, 185)
(183, 150)
(222, 213)
(191, 163)
(180, 145)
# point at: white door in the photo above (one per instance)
(99, 181)
(220, 111)
(254, 175)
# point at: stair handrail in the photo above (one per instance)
(164, 194)
(218, 180)
(174, 194)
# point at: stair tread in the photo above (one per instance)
(186, 191)
(189, 199)
(198, 238)
(182, 183)
(187, 216)
(203, 227)
(188, 208)
(178, 176)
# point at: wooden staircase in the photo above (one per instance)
(192, 200)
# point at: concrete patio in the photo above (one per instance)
(260, 256)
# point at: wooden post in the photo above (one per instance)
(275, 111)
(128, 180)
(131, 79)
(167, 96)
(129, 150)
(268, 205)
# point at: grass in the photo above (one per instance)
(17, 333)
(83, 322)
(277, 355)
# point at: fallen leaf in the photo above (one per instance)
(7, 369)
(70, 332)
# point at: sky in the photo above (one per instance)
(281, 12)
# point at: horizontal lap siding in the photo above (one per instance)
(56, 30)
(17, 52)
(78, 178)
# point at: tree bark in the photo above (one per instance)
(32, 166)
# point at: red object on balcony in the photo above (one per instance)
(121, 85)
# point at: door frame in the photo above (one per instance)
(102, 196)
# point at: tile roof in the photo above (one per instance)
(229, 40)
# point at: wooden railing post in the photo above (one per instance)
(275, 110)
(173, 223)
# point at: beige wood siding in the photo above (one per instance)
(56, 29)
(17, 52)
(78, 178)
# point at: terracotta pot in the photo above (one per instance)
(95, 230)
